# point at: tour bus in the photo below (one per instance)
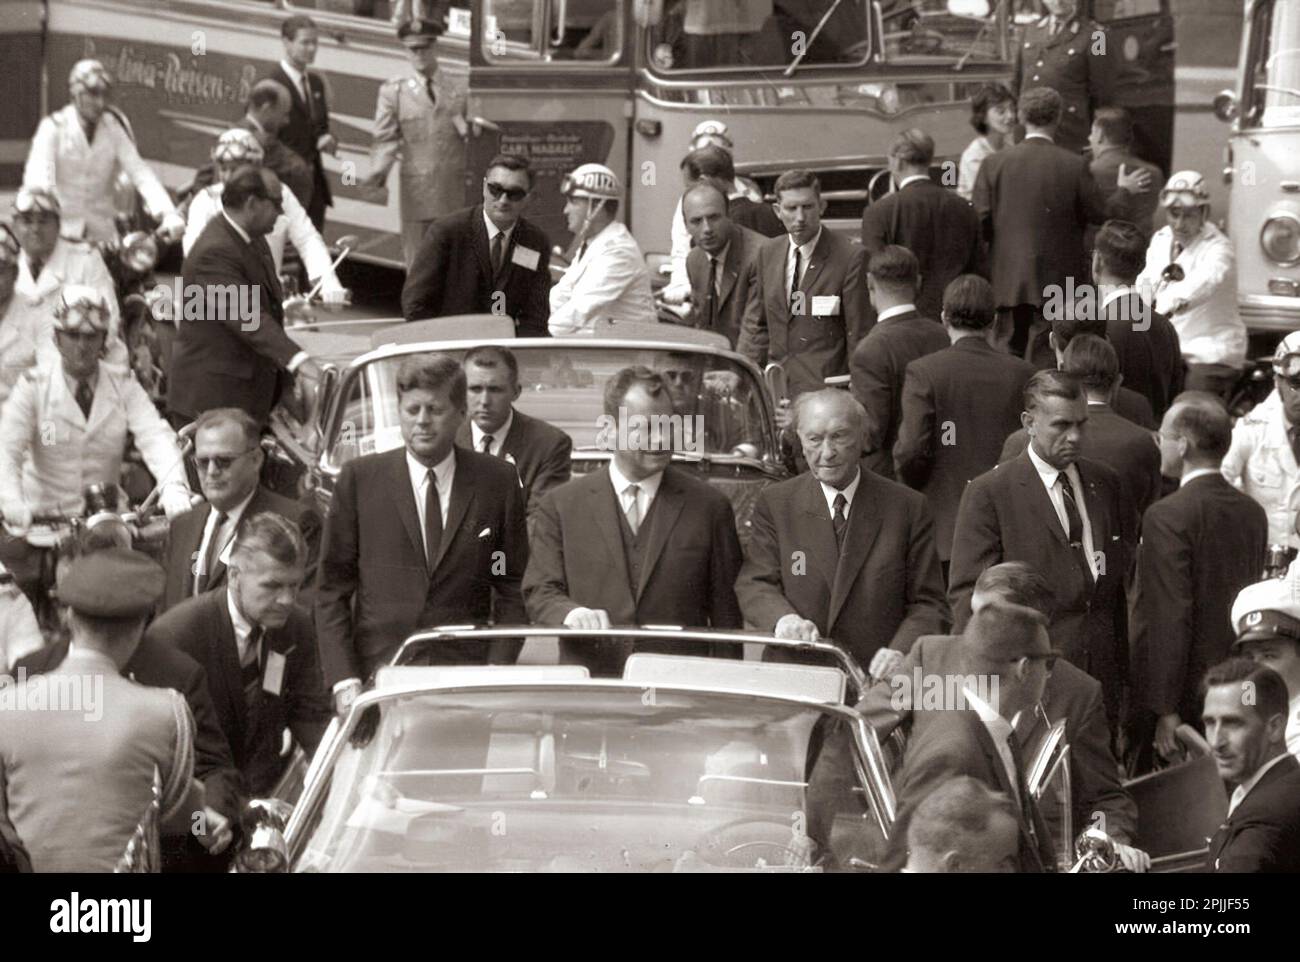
(1261, 166)
(823, 84)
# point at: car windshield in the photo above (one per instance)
(718, 402)
(599, 779)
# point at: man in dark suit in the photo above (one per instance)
(308, 131)
(1065, 516)
(957, 405)
(901, 335)
(1130, 451)
(1127, 182)
(258, 651)
(1150, 358)
(718, 265)
(269, 105)
(428, 534)
(974, 736)
(229, 456)
(840, 553)
(807, 301)
(1200, 546)
(540, 453)
(485, 259)
(1034, 201)
(641, 543)
(1262, 830)
(231, 349)
(934, 223)
(717, 163)
(961, 826)
(1070, 694)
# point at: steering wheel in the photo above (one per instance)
(710, 842)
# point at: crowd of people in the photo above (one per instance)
(1029, 473)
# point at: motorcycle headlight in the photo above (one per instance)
(1280, 238)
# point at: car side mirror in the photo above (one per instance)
(266, 851)
(1225, 106)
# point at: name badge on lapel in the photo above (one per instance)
(273, 677)
(525, 257)
(826, 305)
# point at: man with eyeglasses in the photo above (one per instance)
(420, 116)
(228, 455)
(231, 349)
(1191, 278)
(485, 259)
(1263, 458)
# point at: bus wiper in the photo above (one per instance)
(794, 65)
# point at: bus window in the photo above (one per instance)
(391, 11)
(1273, 75)
(928, 32)
(762, 34)
(516, 30)
(1105, 11)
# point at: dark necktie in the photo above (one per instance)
(582, 251)
(1075, 521)
(711, 304)
(307, 97)
(839, 521)
(794, 280)
(1175, 251)
(85, 398)
(486, 444)
(36, 266)
(432, 521)
(428, 88)
(498, 248)
(251, 669)
(633, 512)
(210, 555)
(1022, 792)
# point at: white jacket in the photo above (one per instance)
(293, 225)
(20, 635)
(1209, 329)
(83, 174)
(17, 347)
(609, 281)
(56, 451)
(1261, 464)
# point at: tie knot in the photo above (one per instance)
(221, 518)
(841, 502)
(432, 477)
(632, 490)
(1063, 479)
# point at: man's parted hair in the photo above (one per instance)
(710, 161)
(1201, 418)
(797, 179)
(1270, 695)
(985, 99)
(247, 181)
(1040, 107)
(1045, 384)
(512, 162)
(1122, 248)
(618, 386)
(272, 535)
(1093, 361)
(1020, 584)
(1115, 124)
(433, 372)
(220, 417)
(913, 147)
(968, 303)
(956, 817)
(265, 92)
(894, 266)
(494, 356)
(289, 29)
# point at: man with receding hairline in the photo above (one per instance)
(962, 826)
(718, 265)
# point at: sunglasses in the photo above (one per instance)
(513, 194)
(221, 462)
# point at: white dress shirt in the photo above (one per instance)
(806, 252)
(299, 81)
(1241, 791)
(1293, 727)
(226, 536)
(243, 632)
(1198, 473)
(915, 177)
(493, 230)
(849, 490)
(898, 310)
(645, 495)
(999, 730)
(444, 472)
(499, 436)
(1048, 475)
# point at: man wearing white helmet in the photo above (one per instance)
(1266, 619)
(17, 346)
(608, 277)
(49, 262)
(77, 151)
(1191, 278)
(1262, 461)
(233, 149)
(65, 426)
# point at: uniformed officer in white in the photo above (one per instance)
(65, 425)
(1266, 617)
(1070, 54)
(420, 116)
(608, 278)
(49, 262)
(235, 148)
(17, 346)
(77, 152)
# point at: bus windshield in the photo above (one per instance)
(1273, 74)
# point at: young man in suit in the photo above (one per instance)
(936, 224)
(901, 335)
(228, 454)
(1266, 616)
(235, 352)
(1200, 547)
(427, 534)
(1127, 182)
(1034, 201)
(957, 406)
(486, 259)
(643, 542)
(841, 553)
(1245, 721)
(807, 304)
(975, 736)
(718, 265)
(258, 651)
(1065, 516)
(540, 453)
(308, 131)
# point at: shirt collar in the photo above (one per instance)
(1123, 290)
(807, 248)
(1040, 136)
(896, 311)
(1049, 473)
(493, 229)
(849, 490)
(238, 230)
(243, 627)
(294, 73)
(442, 471)
(912, 179)
(998, 726)
(71, 381)
(256, 123)
(499, 436)
(1198, 473)
(650, 485)
(1241, 791)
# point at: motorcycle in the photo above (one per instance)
(142, 302)
(1252, 387)
(299, 309)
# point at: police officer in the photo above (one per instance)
(65, 425)
(1266, 617)
(17, 346)
(421, 116)
(50, 261)
(76, 152)
(1069, 53)
(608, 278)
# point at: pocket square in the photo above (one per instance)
(486, 532)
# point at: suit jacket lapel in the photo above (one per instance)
(405, 498)
(1039, 500)
(227, 657)
(1096, 515)
(730, 268)
(667, 506)
(604, 508)
(818, 260)
(816, 529)
(482, 250)
(462, 496)
(1024, 816)
(864, 523)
